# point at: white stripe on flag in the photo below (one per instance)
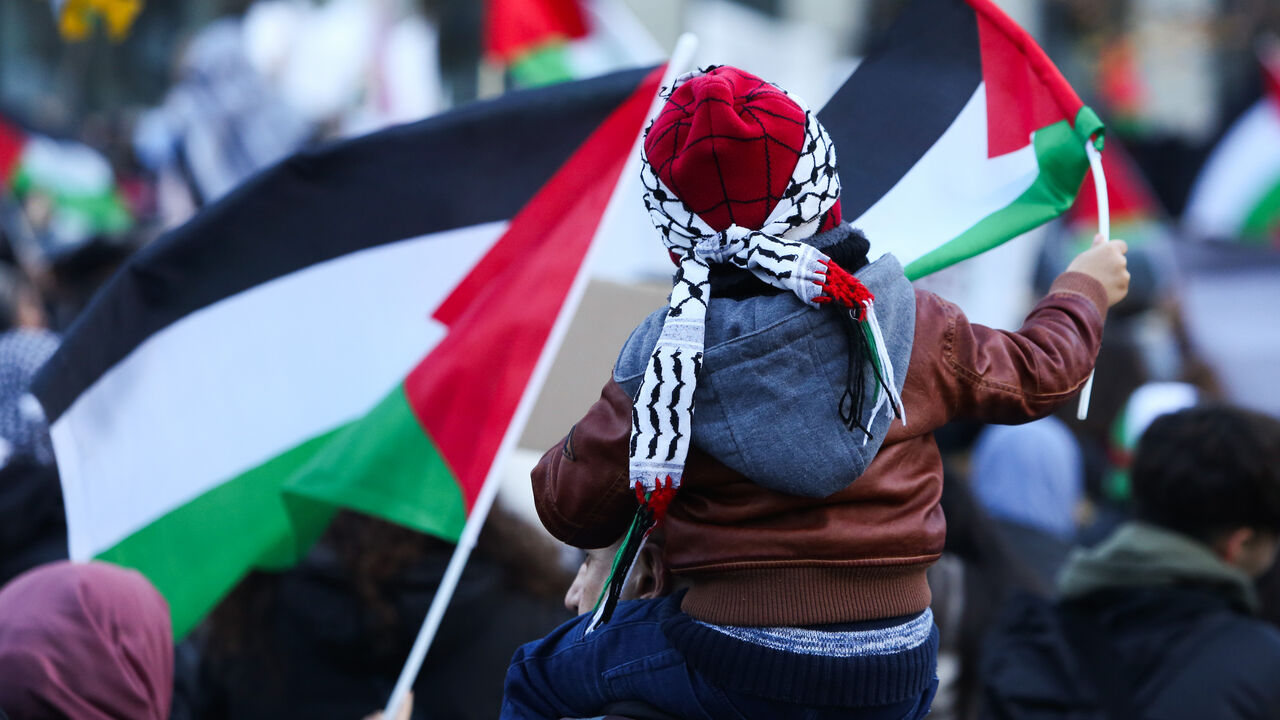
(951, 188)
(1241, 169)
(237, 383)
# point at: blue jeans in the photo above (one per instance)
(567, 674)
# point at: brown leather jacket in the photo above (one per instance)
(752, 556)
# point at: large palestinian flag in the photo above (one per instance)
(352, 328)
(1236, 196)
(956, 134)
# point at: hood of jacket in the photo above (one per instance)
(1141, 555)
(767, 403)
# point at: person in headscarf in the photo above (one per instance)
(1029, 478)
(87, 641)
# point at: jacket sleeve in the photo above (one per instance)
(1011, 377)
(580, 487)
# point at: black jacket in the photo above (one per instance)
(1172, 653)
(316, 650)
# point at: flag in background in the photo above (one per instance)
(1236, 195)
(75, 181)
(956, 134)
(529, 37)
(1136, 215)
(352, 328)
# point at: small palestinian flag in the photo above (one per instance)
(956, 134)
(353, 328)
(530, 36)
(1236, 196)
(75, 180)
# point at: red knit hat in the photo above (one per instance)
(726, 142)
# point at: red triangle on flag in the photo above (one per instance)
(12, 141)
(1129, 196)
(513, 27)
(1269, 56)
(465, 392)
(1025, 90)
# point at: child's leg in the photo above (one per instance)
(567, 674)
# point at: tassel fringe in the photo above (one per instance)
(650, 513)
(839, 287)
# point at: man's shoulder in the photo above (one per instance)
(1233, 666)
(1246, 639)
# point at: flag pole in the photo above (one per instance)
(680, 57)
(1104, 229)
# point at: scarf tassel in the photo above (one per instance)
(651, 511)
(883, 365)
(844, 289)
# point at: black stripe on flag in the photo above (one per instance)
(901, 98)
(479, 163)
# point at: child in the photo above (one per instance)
(807, 506)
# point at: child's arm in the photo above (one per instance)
(1009, 377)
(580, 487)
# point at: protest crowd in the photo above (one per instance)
(662, 379)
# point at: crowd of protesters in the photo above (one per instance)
(1169, 590)
(1121, 566)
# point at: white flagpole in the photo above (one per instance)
(681, 56)
(1104, 229)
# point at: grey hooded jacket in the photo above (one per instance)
(773, 375)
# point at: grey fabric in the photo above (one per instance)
(24, 432)
(767, 401)
(1030, 474)
(1143, 555)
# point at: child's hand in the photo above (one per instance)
(1106, 263)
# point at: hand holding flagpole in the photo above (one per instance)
(1104, 229)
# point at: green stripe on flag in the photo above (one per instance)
(1263, 219)
(239, 524)
(96, 213)
(266, 518)
(386, 465)
(1062, 160)
(544, 65)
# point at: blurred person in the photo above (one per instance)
(1157, 621)
(1147, 403)
(33, 528)
(220, 123)
(1030, 480)
(327, 639)
(72, 278)
(1112, 501)
(88, 641)
(21, 305)
(85, 642)
(979, 571)
(796, 574)
(1269, 595)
